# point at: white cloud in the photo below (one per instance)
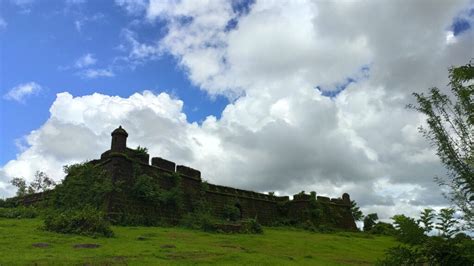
(3, 24)
(22, 91)
(85, 61)
(80, 21)
(280, 134)
(96, 73)
(133, 7)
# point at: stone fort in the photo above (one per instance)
(124, 164)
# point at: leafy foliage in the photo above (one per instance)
(41, 183)
(408, 230)
(86, 221)
(370, 220)
(426, 219)
(451, 130)
(19, 212)
(447, 223)
(382, 228)
(142, 150)
(85, 184)
(426, 250)
(356, 212)
(251, 226)
(232, 212)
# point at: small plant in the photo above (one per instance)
(87, 221)
(142, 150)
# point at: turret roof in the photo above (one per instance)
(120, 131)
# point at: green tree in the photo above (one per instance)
(426, 219)
(369, 221)
(356, 212)
(450, 129)
(41, 183)
(20, 184)
(447, 223)
(408, 230)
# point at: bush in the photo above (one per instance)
(87, 221)
(251, 226)
(18, 212)
(408, 230)
(400, 255)
(382, 228)
(85, 184)
(231, 212)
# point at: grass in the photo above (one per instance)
(164, 246)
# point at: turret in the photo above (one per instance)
(119, 140)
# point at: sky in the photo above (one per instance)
(267, 95)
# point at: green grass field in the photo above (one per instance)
(163, 246)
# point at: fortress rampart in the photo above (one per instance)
(125, 165)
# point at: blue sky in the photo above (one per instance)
(278, 96)
(41, 43)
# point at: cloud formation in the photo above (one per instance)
(85, 61)
(280, 133)
(20, 92)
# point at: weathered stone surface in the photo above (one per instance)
(188, 171)
(163, 164)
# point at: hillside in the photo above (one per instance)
(156, 245)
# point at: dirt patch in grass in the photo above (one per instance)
(86, 246)
(168, 246)
(41, 245)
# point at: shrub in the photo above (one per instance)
(251, 226)
(87, 221)
(370, 220)
(400, 255)
(231, 212)
(18, 212)
(382, 228)
(408, 231)
(85, 184)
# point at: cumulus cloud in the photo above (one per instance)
(22, 91)
(280, 133)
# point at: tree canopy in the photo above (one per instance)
(450, 128)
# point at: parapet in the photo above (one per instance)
(301, 196)
(163, 164)
(188, 172)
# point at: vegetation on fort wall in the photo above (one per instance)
(85, 185)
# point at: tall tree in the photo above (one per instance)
(450, 120)
(447, 224)
(370, 220)
(426, 218)
(356, 212)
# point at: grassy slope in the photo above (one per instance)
(275, 246)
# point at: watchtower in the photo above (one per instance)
(119, 140)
